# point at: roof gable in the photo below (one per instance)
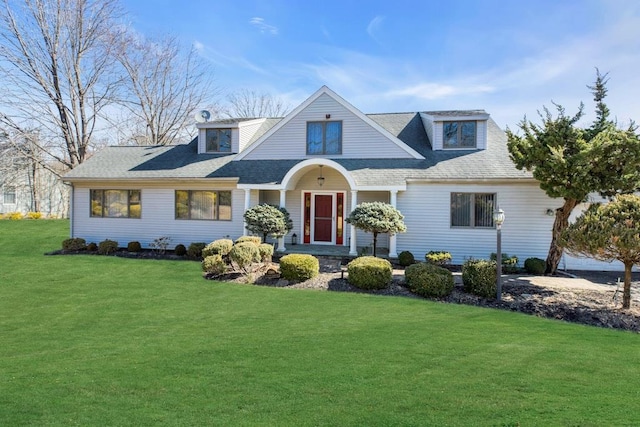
(287, 139)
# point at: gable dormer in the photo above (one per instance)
(226, 136)
(456, 130)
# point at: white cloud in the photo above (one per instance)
(374, 26)
(432, 91)
(263, 26)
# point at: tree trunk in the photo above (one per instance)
(559, 225)
(626, 294)
(375, 242)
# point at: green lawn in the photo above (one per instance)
(87, 340)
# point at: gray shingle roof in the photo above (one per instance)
(182, 161)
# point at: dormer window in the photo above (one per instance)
(459, 134)
(324, 137)
(218, 141)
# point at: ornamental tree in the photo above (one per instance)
(267, 220)
(570, 163)
(377, 217)
(608, 232)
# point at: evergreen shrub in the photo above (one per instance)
(220, 247)
(406, 258)
(370, 272)
(429, 280)
(479, 277)
(299, 267)
(74, 244)
(535, 266)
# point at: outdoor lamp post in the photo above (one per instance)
(498, 219)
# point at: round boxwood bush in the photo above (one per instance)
(535, 266)
(195, 250)
(134, 247)
(214, 264)
(92, 247)
(244, 254)
(266, 252)
(107, 247)
(180, 250)
(406, 258)
(221, 247)
(479, 277)
(370, 272)
(429, 280)
(438, 257)
(256, 240)
(299, 267)
(74, 244)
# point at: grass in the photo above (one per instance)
(89, 340)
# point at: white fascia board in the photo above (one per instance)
(439, 118)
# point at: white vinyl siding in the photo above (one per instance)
(246, 131)
(359, 139)
(158, 220)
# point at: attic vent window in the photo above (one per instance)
(460, 134)
(324, 137)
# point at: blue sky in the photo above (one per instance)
(507, 57)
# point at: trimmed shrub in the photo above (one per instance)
(134, 246)
(34, 215)
(479, 277)
(266, 252)
(214, 264)
(509, 263)
(299, 267)
(195, 250)
(220, 247)
(244, 254)
(406, 258)
(370, 272)
(74, 244)
(535, 266)
(429, 280)
(256, 240)
(107, 247)
(15, 216)
(438, 257)
(92, 247)
(180, 250)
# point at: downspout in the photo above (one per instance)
(71, 206)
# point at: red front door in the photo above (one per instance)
(323, 220)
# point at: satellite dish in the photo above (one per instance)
(203, 116)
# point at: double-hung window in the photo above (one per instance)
(324, 137)
(202, 204)
(9, 195)
(218, 140)
(472, 209)
(460, 134)
(115, 203)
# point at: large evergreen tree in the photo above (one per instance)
(570, 162)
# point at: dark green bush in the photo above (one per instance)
(134, 247)
(195, 250)
(438, 257)
(256, 240)
(429, 280)
(266, 252)
(92, 247)
(406, 258)
(107, 247)
(220, 247)
(214, 264)
(509, 263)
(535, 266)
(244, 254)
(299, 267)
(74, 244)
(180, 250)
(369, 272)
(479, 277)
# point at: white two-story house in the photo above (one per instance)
(446, 171)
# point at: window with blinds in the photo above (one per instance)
(472, 209)
(206, 205)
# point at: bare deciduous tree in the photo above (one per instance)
(163, 86)
(246, 103)
(57, 68)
